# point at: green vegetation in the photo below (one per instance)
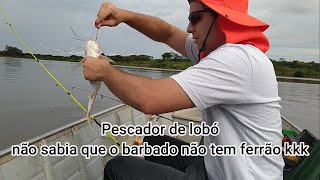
(15, 52)
(297, 69)
(148, 61)
(171, 60)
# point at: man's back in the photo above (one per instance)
(236, 86)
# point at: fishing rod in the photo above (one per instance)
(57, 81)
(49, 73)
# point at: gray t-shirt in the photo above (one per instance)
(236, 86)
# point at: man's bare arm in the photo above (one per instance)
(153, 27)
(158, 30)
(147, 95)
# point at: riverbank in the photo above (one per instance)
(296, 71)
(279, 78)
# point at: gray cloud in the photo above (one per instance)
(293, 32)
(286, 7)
(294, 28)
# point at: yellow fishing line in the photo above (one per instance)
(56, 80)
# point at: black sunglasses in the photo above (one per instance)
(195, 16)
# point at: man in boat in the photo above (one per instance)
(232, 82)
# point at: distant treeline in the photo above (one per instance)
(10, 51)
(171, 60)
(297, 69)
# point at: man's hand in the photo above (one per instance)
(109, 15)
(94, 69)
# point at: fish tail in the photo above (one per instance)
(91, 99)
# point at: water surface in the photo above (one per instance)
(31, 103)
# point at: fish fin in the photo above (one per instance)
(95, 88)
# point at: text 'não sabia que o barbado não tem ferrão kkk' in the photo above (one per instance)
(144, 149)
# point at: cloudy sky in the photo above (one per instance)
(45, 26)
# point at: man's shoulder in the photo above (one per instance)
(238, 49)
(238, 53)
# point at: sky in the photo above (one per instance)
(44, 25)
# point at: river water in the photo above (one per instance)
(31, 103)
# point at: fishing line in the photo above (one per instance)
(58, 82)
(48, 72)
(60, 51)
(104, 96)
(81, 39)
(101, 95)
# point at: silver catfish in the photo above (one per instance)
(92, 49)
